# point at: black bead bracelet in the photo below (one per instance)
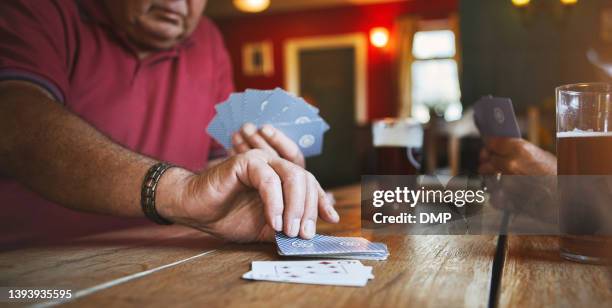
(147, 194)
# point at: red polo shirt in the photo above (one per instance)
(159, 106)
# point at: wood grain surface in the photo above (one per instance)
(536, 276)
(429, 271)
(151, 267)
(95, 259)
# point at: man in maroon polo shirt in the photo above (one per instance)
(95, 94)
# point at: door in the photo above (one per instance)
(327, 82)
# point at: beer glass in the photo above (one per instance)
(584, 166)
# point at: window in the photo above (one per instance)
(435, 77)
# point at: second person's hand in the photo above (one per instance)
(515, 156)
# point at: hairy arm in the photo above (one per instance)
(66, 160)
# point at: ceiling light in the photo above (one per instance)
(379, 37)
(252, 6)
(569, 2)
(520, 3)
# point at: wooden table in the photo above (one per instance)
(176, 266)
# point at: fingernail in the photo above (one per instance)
(278, 223)
(294, 227)
(238, 139)
(334, 215)
(249, 129)
(309, 228)
(267, 130)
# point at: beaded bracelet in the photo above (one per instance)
(147, 194)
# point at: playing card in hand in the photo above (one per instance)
(494, 117)
(288, 113)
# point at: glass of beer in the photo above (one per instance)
(584, 166)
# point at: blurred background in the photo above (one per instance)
(359, 61)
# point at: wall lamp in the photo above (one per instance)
(379, 37)
(524, 3)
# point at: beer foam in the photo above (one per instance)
(583, 133)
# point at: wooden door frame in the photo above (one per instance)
(358, 41)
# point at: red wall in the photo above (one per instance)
(382, 93)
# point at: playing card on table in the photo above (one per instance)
(324, 272)
(331, 246)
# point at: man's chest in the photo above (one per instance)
(154, 106)
(105, 73)
(108, 83)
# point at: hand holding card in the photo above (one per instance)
(494, 117)
(291, 115)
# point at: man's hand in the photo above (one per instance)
(534, 196)
(62, 157)
(514, 156)
(268, 139)
(246, 198)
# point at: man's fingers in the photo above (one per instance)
(503, 146)
(486, 169)
(240, 145)
(293, 199)
(269, 185)
(294, 186)
(255, 140)
(309, 219)
(285, 147)
(270, 140)
(484, 155)
(504, 165)
(326, 207)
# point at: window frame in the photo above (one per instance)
(433, 25)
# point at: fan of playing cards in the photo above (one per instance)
(290, 114)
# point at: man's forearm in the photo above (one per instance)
(66, 160)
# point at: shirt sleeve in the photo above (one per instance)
(34, 45)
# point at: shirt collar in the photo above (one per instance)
(93, 11)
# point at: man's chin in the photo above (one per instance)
(155, 35)
(156, 43)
